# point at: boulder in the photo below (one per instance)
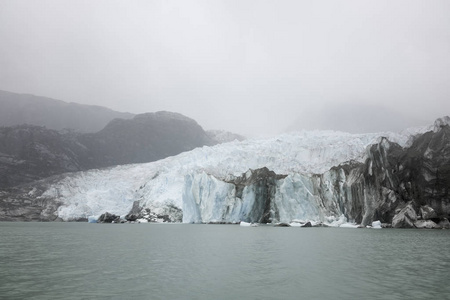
(426, 224)
(108, 218)
(427, 212)
(320, 224)
(405, 218)
(134, 213)
(282, 225)
(444, 223)
(132, 217)
(307, 224)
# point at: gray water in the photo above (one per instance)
(181, 261)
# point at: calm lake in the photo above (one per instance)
(185, 261)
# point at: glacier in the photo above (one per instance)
(215, 184)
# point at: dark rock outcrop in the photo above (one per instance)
(282, 225)
(444, 223)
(395, 185)
(426, 224)
(135, 212)
(109, 218)
(264, 185)
(427, 213)
(169, 213)
(307, 224)
(405, 218)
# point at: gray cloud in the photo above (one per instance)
(246, 66)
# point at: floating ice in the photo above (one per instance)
(349, 225)
(376, 224)
(93, 219)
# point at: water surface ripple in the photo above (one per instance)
(180, 261)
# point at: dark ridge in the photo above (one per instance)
(18, 109)
(29, 153)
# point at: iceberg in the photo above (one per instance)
(348, 225)
(93, 219)
(376, 225)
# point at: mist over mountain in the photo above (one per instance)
(354, 118)
(29, 153)
(17, 109)
(146, 137)
(222, 136)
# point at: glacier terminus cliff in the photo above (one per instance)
(324, 177)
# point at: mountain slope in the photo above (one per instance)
(29, 153)
(146, 137)
(18, 109)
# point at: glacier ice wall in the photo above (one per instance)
(162, 182)
(261, 196)
(214, 184)
(390, 179)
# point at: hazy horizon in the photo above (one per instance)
(250, 67)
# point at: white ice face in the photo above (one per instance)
(193, 180)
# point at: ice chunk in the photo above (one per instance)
(349, 225)
(336, 222)
(93, 219)
(376, 224)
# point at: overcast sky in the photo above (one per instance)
(251, 67)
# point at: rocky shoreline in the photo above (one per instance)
(404, 219)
